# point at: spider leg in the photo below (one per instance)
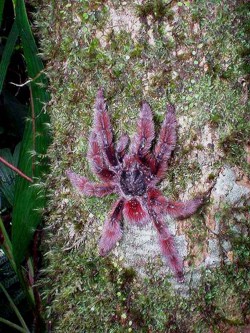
(145, 132)
(167, 246)
(112, 232)
(84, 186)
(121, 146)
(182, 210)
(166, 143)
(97, 161)
(102, 127)
(176, 209)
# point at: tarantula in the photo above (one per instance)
(133, 175)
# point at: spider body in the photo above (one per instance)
(133, 174)
(134, 179)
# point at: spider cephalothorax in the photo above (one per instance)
(133, 174)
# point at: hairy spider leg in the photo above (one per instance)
(102, 127)
(145, 132)
(97, 161)
(182, 210)
(112, 232)
(165, 145)
(167, 246)
(176, 209)
(84, 186)
(121, 146)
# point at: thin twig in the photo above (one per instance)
(22, 84)
(28, 81)
(12, 167)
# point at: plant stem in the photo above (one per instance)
(15, 169)
(9, 323)
(15, 309)
(26, 286)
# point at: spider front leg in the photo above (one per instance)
(167, 246)
(102, 127)
(165, 145)
(121, 147)
(84, 186)
(112, 232)
(145, 132)
(97, 161)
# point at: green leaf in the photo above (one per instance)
(7, 52)
(16, 113)
(7, 246)
(29, 200)
(16, 154)
(7, 176)
(1, 11)
(15, 309)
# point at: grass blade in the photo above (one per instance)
(10, 324)
(1, 11)
(15, 309)
(16, 154)
(7, 175)
(29, 199)
(7, 52)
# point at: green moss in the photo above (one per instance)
(233, 144)
(158, 9)
(238, 234)
(211, 176)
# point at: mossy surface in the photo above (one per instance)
(195, 55)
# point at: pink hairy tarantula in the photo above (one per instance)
(133, 175)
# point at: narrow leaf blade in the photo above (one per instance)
(30, 199)
(7, 53)
(1, 11)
